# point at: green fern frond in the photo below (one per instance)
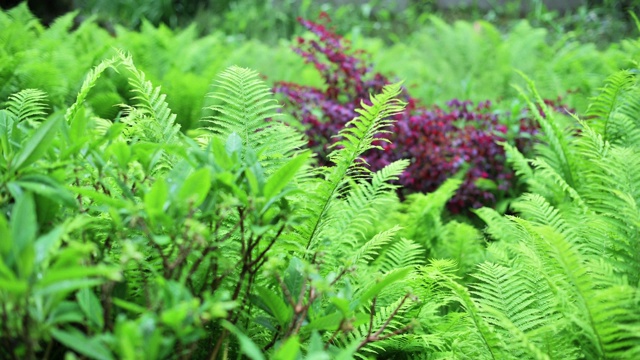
(28, 105)
(161, 126)
(498, 227)
(604, 106)
(557, 153)
(538, 210)
(462, 243)
(423, 220)
(490, 346)
(356, 215)
(89, 82)
(401, 254)
(366, 253)
(357, 138)
(247, 107)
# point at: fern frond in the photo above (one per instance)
(28, 105)
(89, 82)
(161, 127)
(424, 213)
(604, 106)
(357, 138)
(401, 254)
(557, 153)
(370, 250)
(247, 107)
(490, 344)
(356, 215)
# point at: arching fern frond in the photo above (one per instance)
(608, 103)
(89, 82)
(357, 137)
(247, 107)
(154, 121)
(28, 105)
(557, 153)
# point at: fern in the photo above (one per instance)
(247, 108)
(617, 98)
(151, 119)
(28, 106)
(357, 137)
(557, 154)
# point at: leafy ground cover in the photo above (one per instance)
(138, 232)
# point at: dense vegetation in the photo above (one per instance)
(203, 220)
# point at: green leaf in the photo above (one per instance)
(283, 176)
(90, 305)
(316, 350)
(47, 187)
(220, 153)
(247, 346)
(121, 152)
(273, 303)
(290, 350)
(24, 227)
(6, 240)
(37, 144)
(234, 144)
(45, 244)
(90, 347)
(388, 279)
(196, 187)
(156, 198)
(6, 127)
(66, 312)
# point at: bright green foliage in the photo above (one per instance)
(127, 239)
(562, 280)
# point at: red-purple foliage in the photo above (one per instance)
(440, 142)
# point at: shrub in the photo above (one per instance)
(440, 142)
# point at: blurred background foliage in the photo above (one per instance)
(442, 51)
(599, 21)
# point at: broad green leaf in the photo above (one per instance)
(17, 287)
(78, 126)
(66, 286)
(6, 241)
(121, 152)
(196, 187)
(90, 305)
(103, 199)
(156, 198)
(247, 346)
(220, 153)
(129, 306)
(273, 303)
(290, 350)
(47, 187)
(35, 147)
(79, 342)
(24, 227)
(6, 126)
(293, 278)
(284, 175)
(66, 312)
(234, 144)
(45, 244)
(373, 291)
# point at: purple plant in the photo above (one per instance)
(440, 142)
